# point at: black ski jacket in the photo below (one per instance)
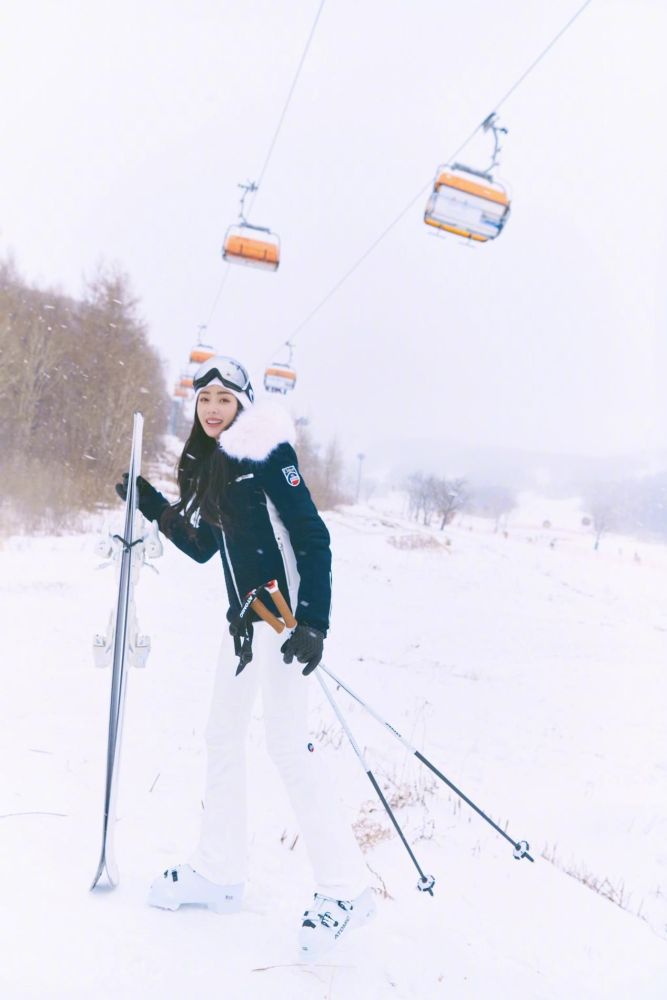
(275, 530)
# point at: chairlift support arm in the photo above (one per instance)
(490, 124)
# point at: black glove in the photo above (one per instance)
(151, 503)
(306, 643)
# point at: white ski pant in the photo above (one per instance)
(337, 862)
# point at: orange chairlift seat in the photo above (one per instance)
(253, 245)
(186, 381)
(180, 392)
(201, 353)
(468, 202)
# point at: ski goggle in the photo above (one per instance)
(228, 371)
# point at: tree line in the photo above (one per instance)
(442, 498)
(635, 506)
(72, 372)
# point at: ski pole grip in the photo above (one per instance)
(281, 604)
(263, 612)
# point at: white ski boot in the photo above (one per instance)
(328, 919)
(182, 885)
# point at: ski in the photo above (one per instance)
(121, 645)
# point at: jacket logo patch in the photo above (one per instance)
(291, 475)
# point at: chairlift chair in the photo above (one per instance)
(246, 243)
(201, 353)
(279, 378)
(468, 203)
(186, 382)
(180, 392)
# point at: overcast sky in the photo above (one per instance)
(127, 125)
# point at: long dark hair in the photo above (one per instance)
(202, 474)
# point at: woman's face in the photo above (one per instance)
(216, 409)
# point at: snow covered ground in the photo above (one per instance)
(529, 668)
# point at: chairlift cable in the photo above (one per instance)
(420, 194)
(272, 144)
(358, 262)
(223, 282)
(541, 56)
(286, 105)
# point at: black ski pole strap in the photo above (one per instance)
(243, 647)
(247, 603)
(242, 629)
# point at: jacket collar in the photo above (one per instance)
(258, 430)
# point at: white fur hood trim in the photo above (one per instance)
(258, 431)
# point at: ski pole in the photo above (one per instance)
(252, 601)
(426, 882)
(521, 847)
(283, 608)
(263, 612)
(242, 632)
(281, 604)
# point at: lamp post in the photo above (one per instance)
(361, 457)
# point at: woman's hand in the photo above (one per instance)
(151, 503)
(306, 644)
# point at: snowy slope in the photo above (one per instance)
(532, 674)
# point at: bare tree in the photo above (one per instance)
(605, 505)
(422, 496)
(496, 502)
(429, 495)
(450, 497)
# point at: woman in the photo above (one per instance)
(242, 495)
